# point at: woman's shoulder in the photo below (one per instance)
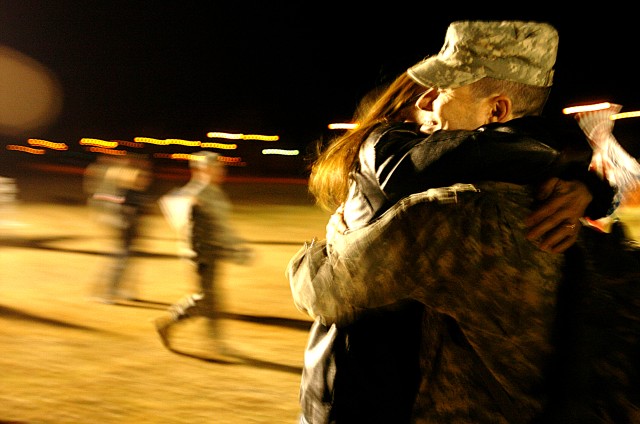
(394, 136)
(393, 128)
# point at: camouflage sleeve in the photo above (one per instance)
(372, 266)
(450, 248)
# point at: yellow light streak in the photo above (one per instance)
(26, 149)
(282, 152)
(229, 160)
(260, 137)
(107, 151)
(166, 142)
(183, 142)
(99, 143)
(343, 126)
(149, 140)
(223, 146)
(181, 156)
(633, 114)
(586, 108)
(232, 136)
(224, 135)
(47, 144)
(129, 144)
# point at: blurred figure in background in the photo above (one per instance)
(120, 196)
(8, 199)
(101, 186)
(134, 183)
(200, 211)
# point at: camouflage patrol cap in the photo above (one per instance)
(517, 51)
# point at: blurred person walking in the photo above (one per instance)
(101, 184)
(122, 199)
(200, 211)
(135, 181)
(8, 201)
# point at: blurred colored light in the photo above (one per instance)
(586, 108)
(623, 115)
(343, 126)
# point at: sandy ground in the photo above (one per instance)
(68, 359)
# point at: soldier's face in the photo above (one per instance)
(455, 108)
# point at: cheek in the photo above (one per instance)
(481, 118)
(455, 116)
(422, 117)
(444, 110)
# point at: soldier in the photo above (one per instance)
(462, 251)
(212, 239)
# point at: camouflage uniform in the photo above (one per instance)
(396, 161)
(211, 239)
(488, 293)
(476, 267)
(208, 231)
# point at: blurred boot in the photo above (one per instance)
(163, 325)
(179, 311)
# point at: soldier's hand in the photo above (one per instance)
(555, 225)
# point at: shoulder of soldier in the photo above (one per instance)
(555, 132)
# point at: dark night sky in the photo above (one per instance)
(180, 69)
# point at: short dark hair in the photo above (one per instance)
(527, 100)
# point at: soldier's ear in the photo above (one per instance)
(501, 108)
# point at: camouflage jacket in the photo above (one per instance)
(475, 267)
(212, 237)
